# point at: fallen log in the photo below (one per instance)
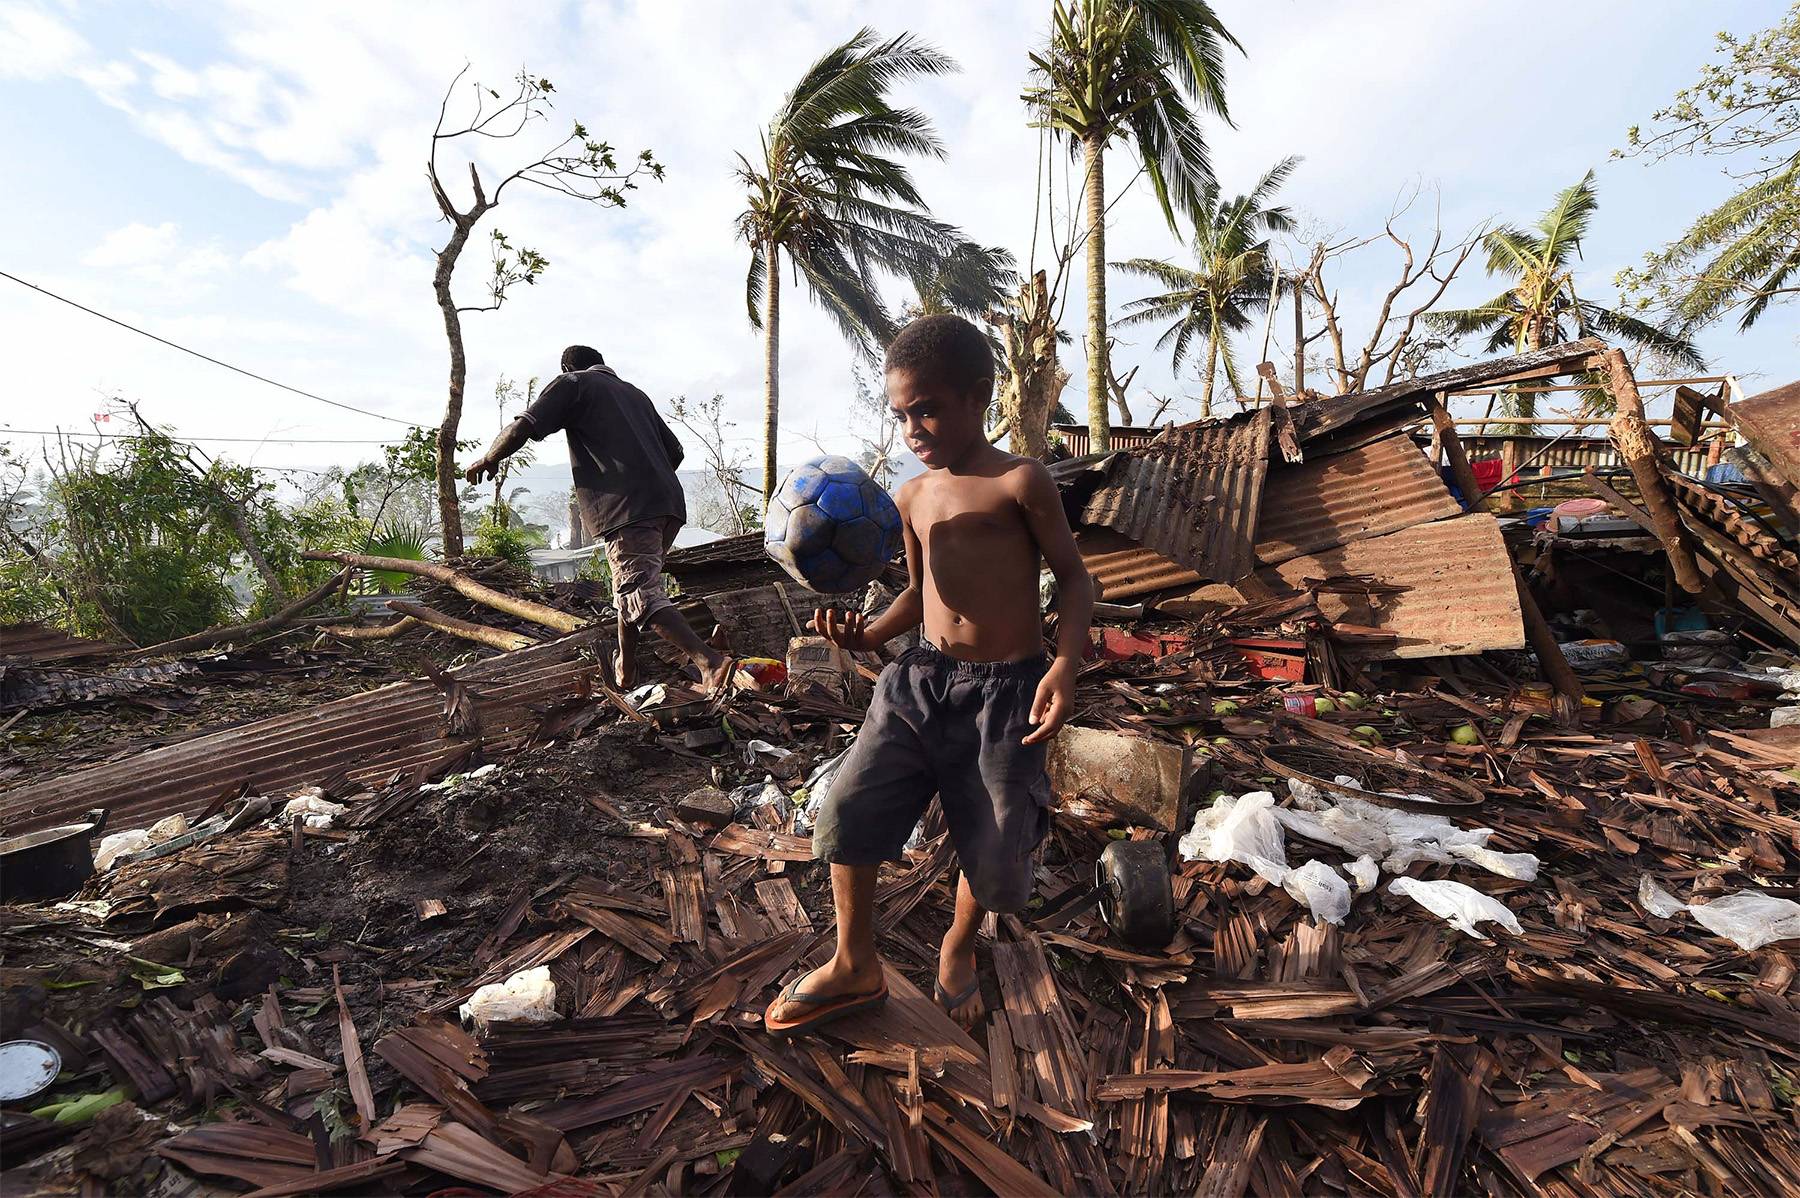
(468, 630)
(215, 636)
(465, 586)
(372, 632)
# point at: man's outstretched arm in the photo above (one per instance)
(511, 439)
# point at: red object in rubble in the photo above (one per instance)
(1273, 660)
(1116, 644)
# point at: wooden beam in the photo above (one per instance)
(465, 586)
(1642, 452)
(1460, 469)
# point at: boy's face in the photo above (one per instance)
(940, 424)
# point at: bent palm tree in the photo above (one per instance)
(1230, 280)
(1755, 252)
(1542, 307)
(1130, 69)
(826, 191)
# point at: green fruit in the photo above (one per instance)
(1224, 707)
(1464, 734)
(1323, 705)
(1351, 701)
(1368, 732)
(1221, 740)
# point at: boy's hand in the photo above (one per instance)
(1054, 702)
(845, 629)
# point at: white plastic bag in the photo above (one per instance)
(1322, 889)
(1521, 867)
(1462, 906)
(119, 844)
(1365, 873)
(1749, 918)
(1659, 902)
(313, 811)
(527, 996)
(168, 828)
(1243, 830)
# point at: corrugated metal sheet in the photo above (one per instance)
(1574, 453)
(1122, 568)
(370, 735)
(1771, 422)
(41, 643)
(1463, 597)
(1192, 495)
(1371, 490)
(1075, 437)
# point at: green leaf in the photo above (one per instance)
(68, 985)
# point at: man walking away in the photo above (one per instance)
(623, 458)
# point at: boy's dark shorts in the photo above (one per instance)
(949, 727)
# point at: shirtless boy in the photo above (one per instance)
(967, 715)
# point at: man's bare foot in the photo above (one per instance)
(715, 673)
(835, 977)
(957, 983)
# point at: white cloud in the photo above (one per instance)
(134, 245)
(35, 45)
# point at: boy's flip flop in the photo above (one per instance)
(949, 1001)
(826, 1008)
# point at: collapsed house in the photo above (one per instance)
(1433, 925)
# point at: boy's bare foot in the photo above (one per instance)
(835, 978)
(959, 988)
(625, 677)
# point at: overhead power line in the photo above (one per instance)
(59, 432)
(205, 357)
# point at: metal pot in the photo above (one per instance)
(49, 863)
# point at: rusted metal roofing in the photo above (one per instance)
(1771, 422)
(1370, 490)
(1122, 568)
(1192, 495)
(1573, 453)
(1463, 597)
(1079, 443)
(41, 643)
(371, 736)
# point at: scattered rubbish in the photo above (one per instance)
(27, 1067)
(528, 996)
(1321, 888)
(120, 844)
(1659, 902)
(1747, 918)
(313, 811)
(1462, 906)
(1242, 830)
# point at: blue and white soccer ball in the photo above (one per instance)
(831, 526)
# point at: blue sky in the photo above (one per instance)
(247, 178)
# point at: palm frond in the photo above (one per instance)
(1625, 327)
(1566, 223)
(756, 282)
(1512, 251)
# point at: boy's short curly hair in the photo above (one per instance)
(944, 349)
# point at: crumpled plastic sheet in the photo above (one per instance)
(1322, 889)
(1365, 873)
(1244, 830)
(1747, 918)
(120, 844)
(1462, 906)
(1659, 902)
(528, 996)
(312, 811)
(1397, 839)
(818, 785)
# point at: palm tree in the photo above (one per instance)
(1130, 69)
(1231, 278)
(969, 281)
(825, 190)
(1755, 253)
(1541, 306)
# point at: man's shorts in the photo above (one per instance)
(635, 555)
(939, 725)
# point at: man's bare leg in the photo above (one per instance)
(956, 959)
(855, 968)
(625, 664)
(713, 665)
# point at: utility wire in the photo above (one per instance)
(46, 432)
(205, 357)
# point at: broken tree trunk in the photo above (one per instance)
(468, 630)
(373, 632)
(1640, 449)
(465, 586)
(1460, 470)
(215, 636)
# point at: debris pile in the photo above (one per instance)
(1426, 925)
